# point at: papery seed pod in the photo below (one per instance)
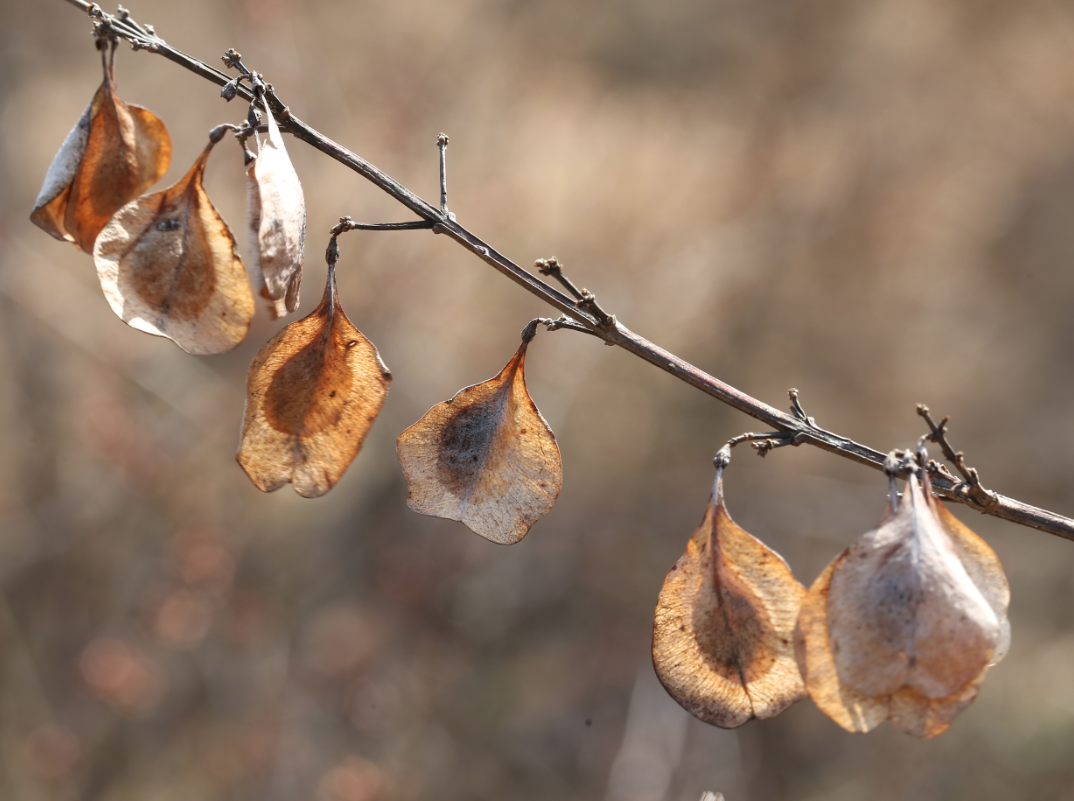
(722, 634)
(905, 622)
(312, 394)
(168, 266)
(277, 222)
(486, 458)
(114, 153)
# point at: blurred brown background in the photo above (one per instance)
(872, 201)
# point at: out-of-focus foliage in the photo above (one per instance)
(869, 201)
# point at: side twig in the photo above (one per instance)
(971, 482)
(581, 310)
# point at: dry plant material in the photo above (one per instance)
(168, 266)
(486, 458)
(905, 622)
(114, 153)
(722, 636)
(312, 395)
(277, 222)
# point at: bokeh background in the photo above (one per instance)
(870, 200)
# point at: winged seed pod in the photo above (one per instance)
(486, 458)
(277, 222)
(312, 395)
(168, 266)
(905, 623)
(722, 635)
(113, 154)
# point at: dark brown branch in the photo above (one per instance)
(582, 311)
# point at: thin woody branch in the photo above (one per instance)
(582, 310)
(347, 224)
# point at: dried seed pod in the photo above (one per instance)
(984, 569)
(486, 458)
(277, 222)
(722, 635)
(905, 622)
(114, 153)
(312, 395)
(168, 266)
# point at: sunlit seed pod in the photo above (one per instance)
(722, 635)
(114, 153)
(905, 622)
(312, 394)
(168, 266)
(276, 211)
(486, 458)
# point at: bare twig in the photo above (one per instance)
(347, 224)
(553, 268)
(586, 299)
(971, 482)
(765, 441)
(583, 311)
(551, 325)
(442, 142)
(571, 325)
(796, 407)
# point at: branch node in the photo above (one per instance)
(344, 224)
(530, 331)
(588, 302)
(217, 133)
